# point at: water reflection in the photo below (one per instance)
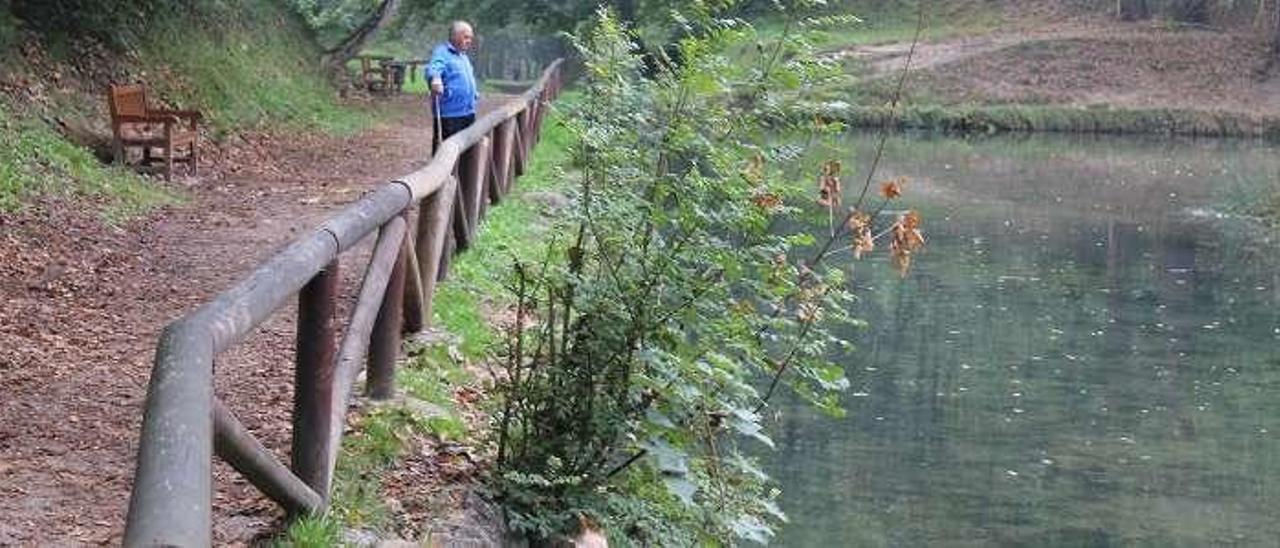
(1085, 356)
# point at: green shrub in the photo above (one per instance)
(683, 293)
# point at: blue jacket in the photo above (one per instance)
(454, 69)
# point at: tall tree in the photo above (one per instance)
(336, 59)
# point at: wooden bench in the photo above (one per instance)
(134, 125)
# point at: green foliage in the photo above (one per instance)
(252, 64)
(8, 30)
(648, 341)
(332, 20)
(431, 376)
(311, 532)
(116, 23)
(35, 160)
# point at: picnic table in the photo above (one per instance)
(387, 74)
(400, 68)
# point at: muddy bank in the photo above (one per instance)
(1064, 119)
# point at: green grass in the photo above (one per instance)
(884, 22)
(377, 438)
(312, 532)
(368, 451)
(515, 230)
(417, 85)
(431, 376)
(259, 69)
(34, 160)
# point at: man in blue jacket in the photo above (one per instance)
(453, 83)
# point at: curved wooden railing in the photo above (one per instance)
(185, 422)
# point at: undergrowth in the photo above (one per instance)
(248, 67)
(36, 160)
(518, 229)
(376, 440)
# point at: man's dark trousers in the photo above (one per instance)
(450, 126)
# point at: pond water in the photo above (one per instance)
(1087, 354)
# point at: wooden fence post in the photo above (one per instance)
(537, 116)
(487, 182)
(512, 130)
(520, 137)
(470, 191)
(450, 249)
(414, 297)
(384, 342)
(471, 172)
(497, 159)
(543, 99)
(313, 379)
(433, 226)
(461, 217)
(237, 446)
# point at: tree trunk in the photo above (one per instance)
(335, 60)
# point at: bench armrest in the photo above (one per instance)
(145, 119)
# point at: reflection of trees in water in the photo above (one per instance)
(1075, 379)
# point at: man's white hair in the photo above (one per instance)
(458, 26)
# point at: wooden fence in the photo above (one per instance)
(186, 424)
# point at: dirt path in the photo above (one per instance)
(83, 305)
(1088, 62)
(888, 59)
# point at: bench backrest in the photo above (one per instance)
(127, 100)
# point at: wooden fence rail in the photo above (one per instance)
(185, 423)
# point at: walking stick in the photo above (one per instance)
(439, 126)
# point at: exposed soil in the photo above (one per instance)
(1083, 61)
(84, 303)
